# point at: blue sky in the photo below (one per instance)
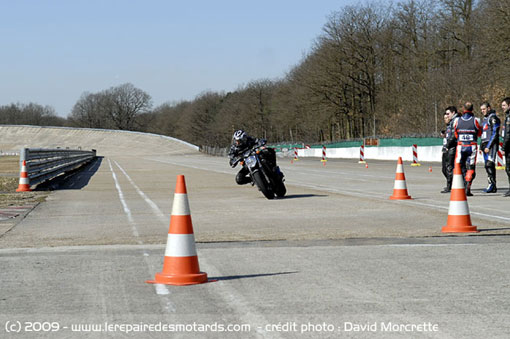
(53, 51)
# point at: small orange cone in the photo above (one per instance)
(180, 266)
(459, 219)
(430, 169)
(400, 187)
(366, 165)
(24, 182)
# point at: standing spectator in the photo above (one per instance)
(467, 129)
(449, 147)
(505, 105)
(490, 144)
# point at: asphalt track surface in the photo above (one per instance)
(335, 258)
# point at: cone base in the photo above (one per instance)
(404, 197)
(180, 279)
(460, 229)
(23, 188)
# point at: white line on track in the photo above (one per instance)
(336, 172)
(149, 202)
(124, 204)
(161, 290)
(488, 216)
(380, 196)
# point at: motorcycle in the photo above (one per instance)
(261, 163)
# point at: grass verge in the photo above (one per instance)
(9, 171)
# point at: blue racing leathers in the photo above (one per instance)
(467, 129)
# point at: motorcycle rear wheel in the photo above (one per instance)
(280, 190)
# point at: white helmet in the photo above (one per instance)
(239, 135)
(240, 138)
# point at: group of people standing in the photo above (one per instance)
(460, 143)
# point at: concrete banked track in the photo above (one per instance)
(106, 142)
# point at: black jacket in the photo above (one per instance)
(451, 140)
(506, 138)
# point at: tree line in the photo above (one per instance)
(30, 114)
(375, 70)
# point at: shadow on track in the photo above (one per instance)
(233, 277)
(493, 229)
(74, 180)
(296, 196)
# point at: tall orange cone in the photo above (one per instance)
(459, 219)
(24, 182)
(180, 266)
(400, 187)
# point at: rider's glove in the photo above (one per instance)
(233, 162)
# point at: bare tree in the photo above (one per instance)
(124, 103)
(88, 112)
(117, 108)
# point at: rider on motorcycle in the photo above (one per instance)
(241, 142)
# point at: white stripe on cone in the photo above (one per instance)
(458, 208)
(180, 205)
(24, 181)
(180, 245)
(458, 183)
(400, 185)
(400, 168)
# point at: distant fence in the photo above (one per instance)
(223, 151)
(46, 164)
(429, 149)
(216, 151)
(368, 142)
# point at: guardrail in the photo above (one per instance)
(45, 164)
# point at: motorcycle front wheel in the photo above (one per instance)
(263, 186)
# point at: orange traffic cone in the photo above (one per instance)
(24, 182)
(180, 266)
(400, 187)
(459, 219)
